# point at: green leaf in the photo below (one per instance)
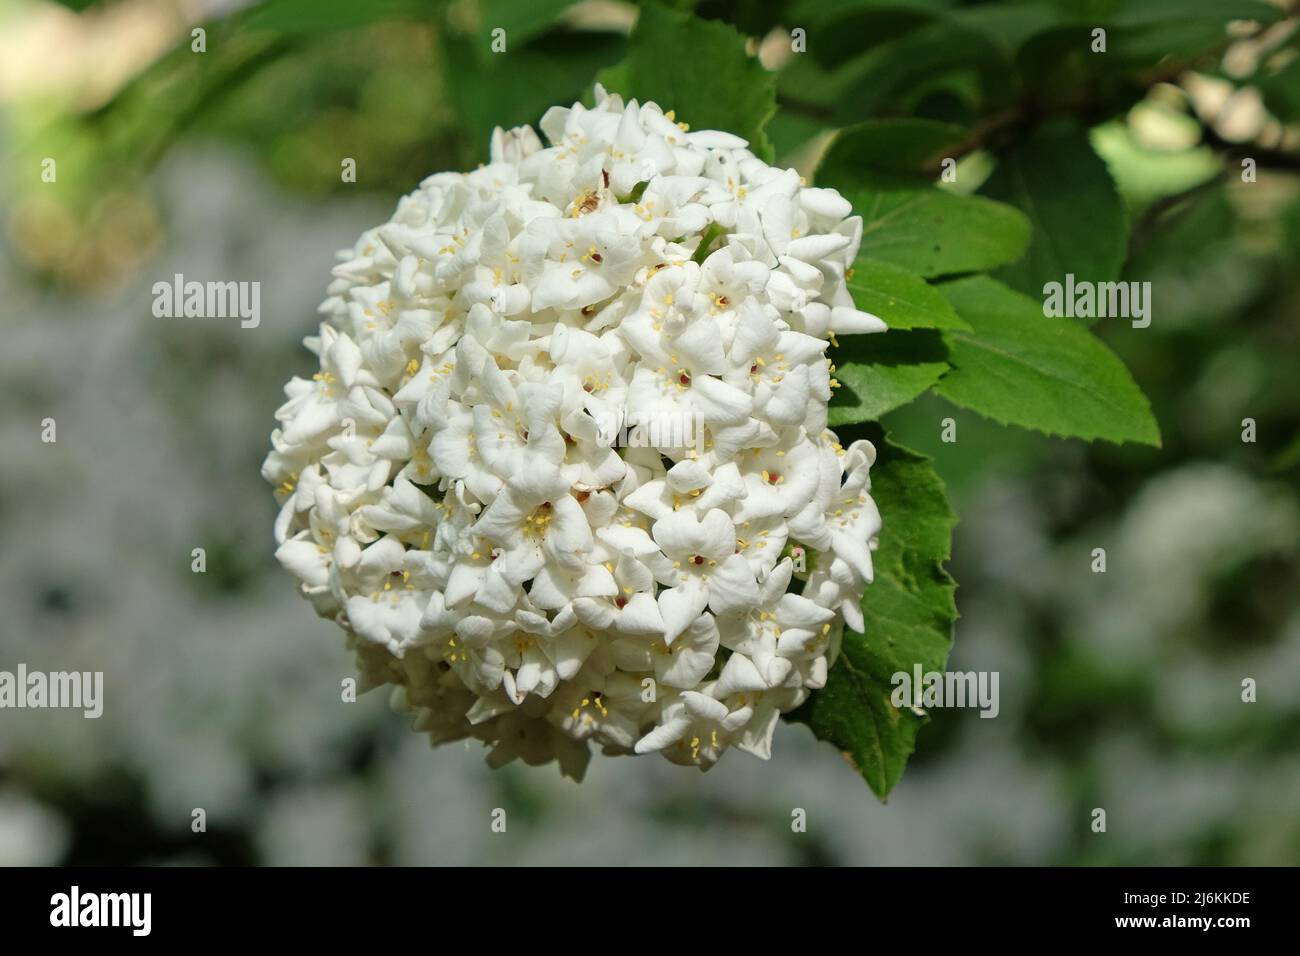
(900, 298)
(699, 69)
(840, 30)
(1281, 91)
(790, 132)
(1129, 13)
(309, 17)
(908, 614)
(880, 372)
(758, 17)
(932, 232)
(518, 87)
(521, 21)
(1058, 62)
(965, 65)
(1115, 13)
(1022, 367)
(804, 85)
(909, 146)
(1057, 179)
(1288, 458)
(1015, 24)
(1011, 25)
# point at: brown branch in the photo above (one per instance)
(1264, 157)
(1028, 113)
(1145, 227)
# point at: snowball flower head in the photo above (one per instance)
(563, 475)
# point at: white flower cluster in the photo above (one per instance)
(567, 446)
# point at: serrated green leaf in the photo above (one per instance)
(931, 232)
(892, 146)
(1057, 179)
(901, 299)
(908, 613)
(878, 373)
(699, 69)
(1022, 367)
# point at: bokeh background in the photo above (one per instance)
(1119, 690)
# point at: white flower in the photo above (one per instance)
(556, 447)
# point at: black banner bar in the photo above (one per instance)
(366, 905)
